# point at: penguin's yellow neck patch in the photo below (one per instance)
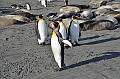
(75, 20)
(54, 33)
(40, 20)
(60, 23)
(13, 7)
(17, 8)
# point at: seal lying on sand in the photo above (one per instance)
(106, 17)
(68, 15)
(98, 2)
(69, 8)
(6, 21)
(117, 17)
(74, 7)
(97, 25)
(17, 17)
(24, 14)
(88, 14)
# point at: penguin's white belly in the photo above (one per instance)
(62, 30)
(56, 48)
(28, 7)
(74, 32)
(43, 2)
(42, 30)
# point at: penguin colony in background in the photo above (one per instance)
(68, 23)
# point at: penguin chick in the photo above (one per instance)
(57, 46)
(41, 30)
(74, 30)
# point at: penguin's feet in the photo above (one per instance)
(43, 44)
(59, 69)
(72, 44)
(62, 68)
(76, 43)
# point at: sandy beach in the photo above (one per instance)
(96, 57)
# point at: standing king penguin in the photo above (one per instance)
(57, 45)
(41, 30)
(73, 30)
(28, 7)
(62, 29)
(66, 2)
(44, 3)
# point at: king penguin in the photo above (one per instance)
(57, 45)
(66, 2)
(41, 30)
(44, 3)
(28, 7)
(62, 29)
(74, 30)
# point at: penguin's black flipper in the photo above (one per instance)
(79, 34)
(37, 31)
(66, 2)
(60, 39)
(69, 31)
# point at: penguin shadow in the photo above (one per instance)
(106, 56)
(59, 0)
(51, 5)
(87, 38)
(20, 23)
(101, 41)
(37, 8)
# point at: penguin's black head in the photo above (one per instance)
(26, 4)
(53, 25)
(40, 16)
(20, 7)
(60, 19)
(74, 17)
(56, 24)
(14, 5)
